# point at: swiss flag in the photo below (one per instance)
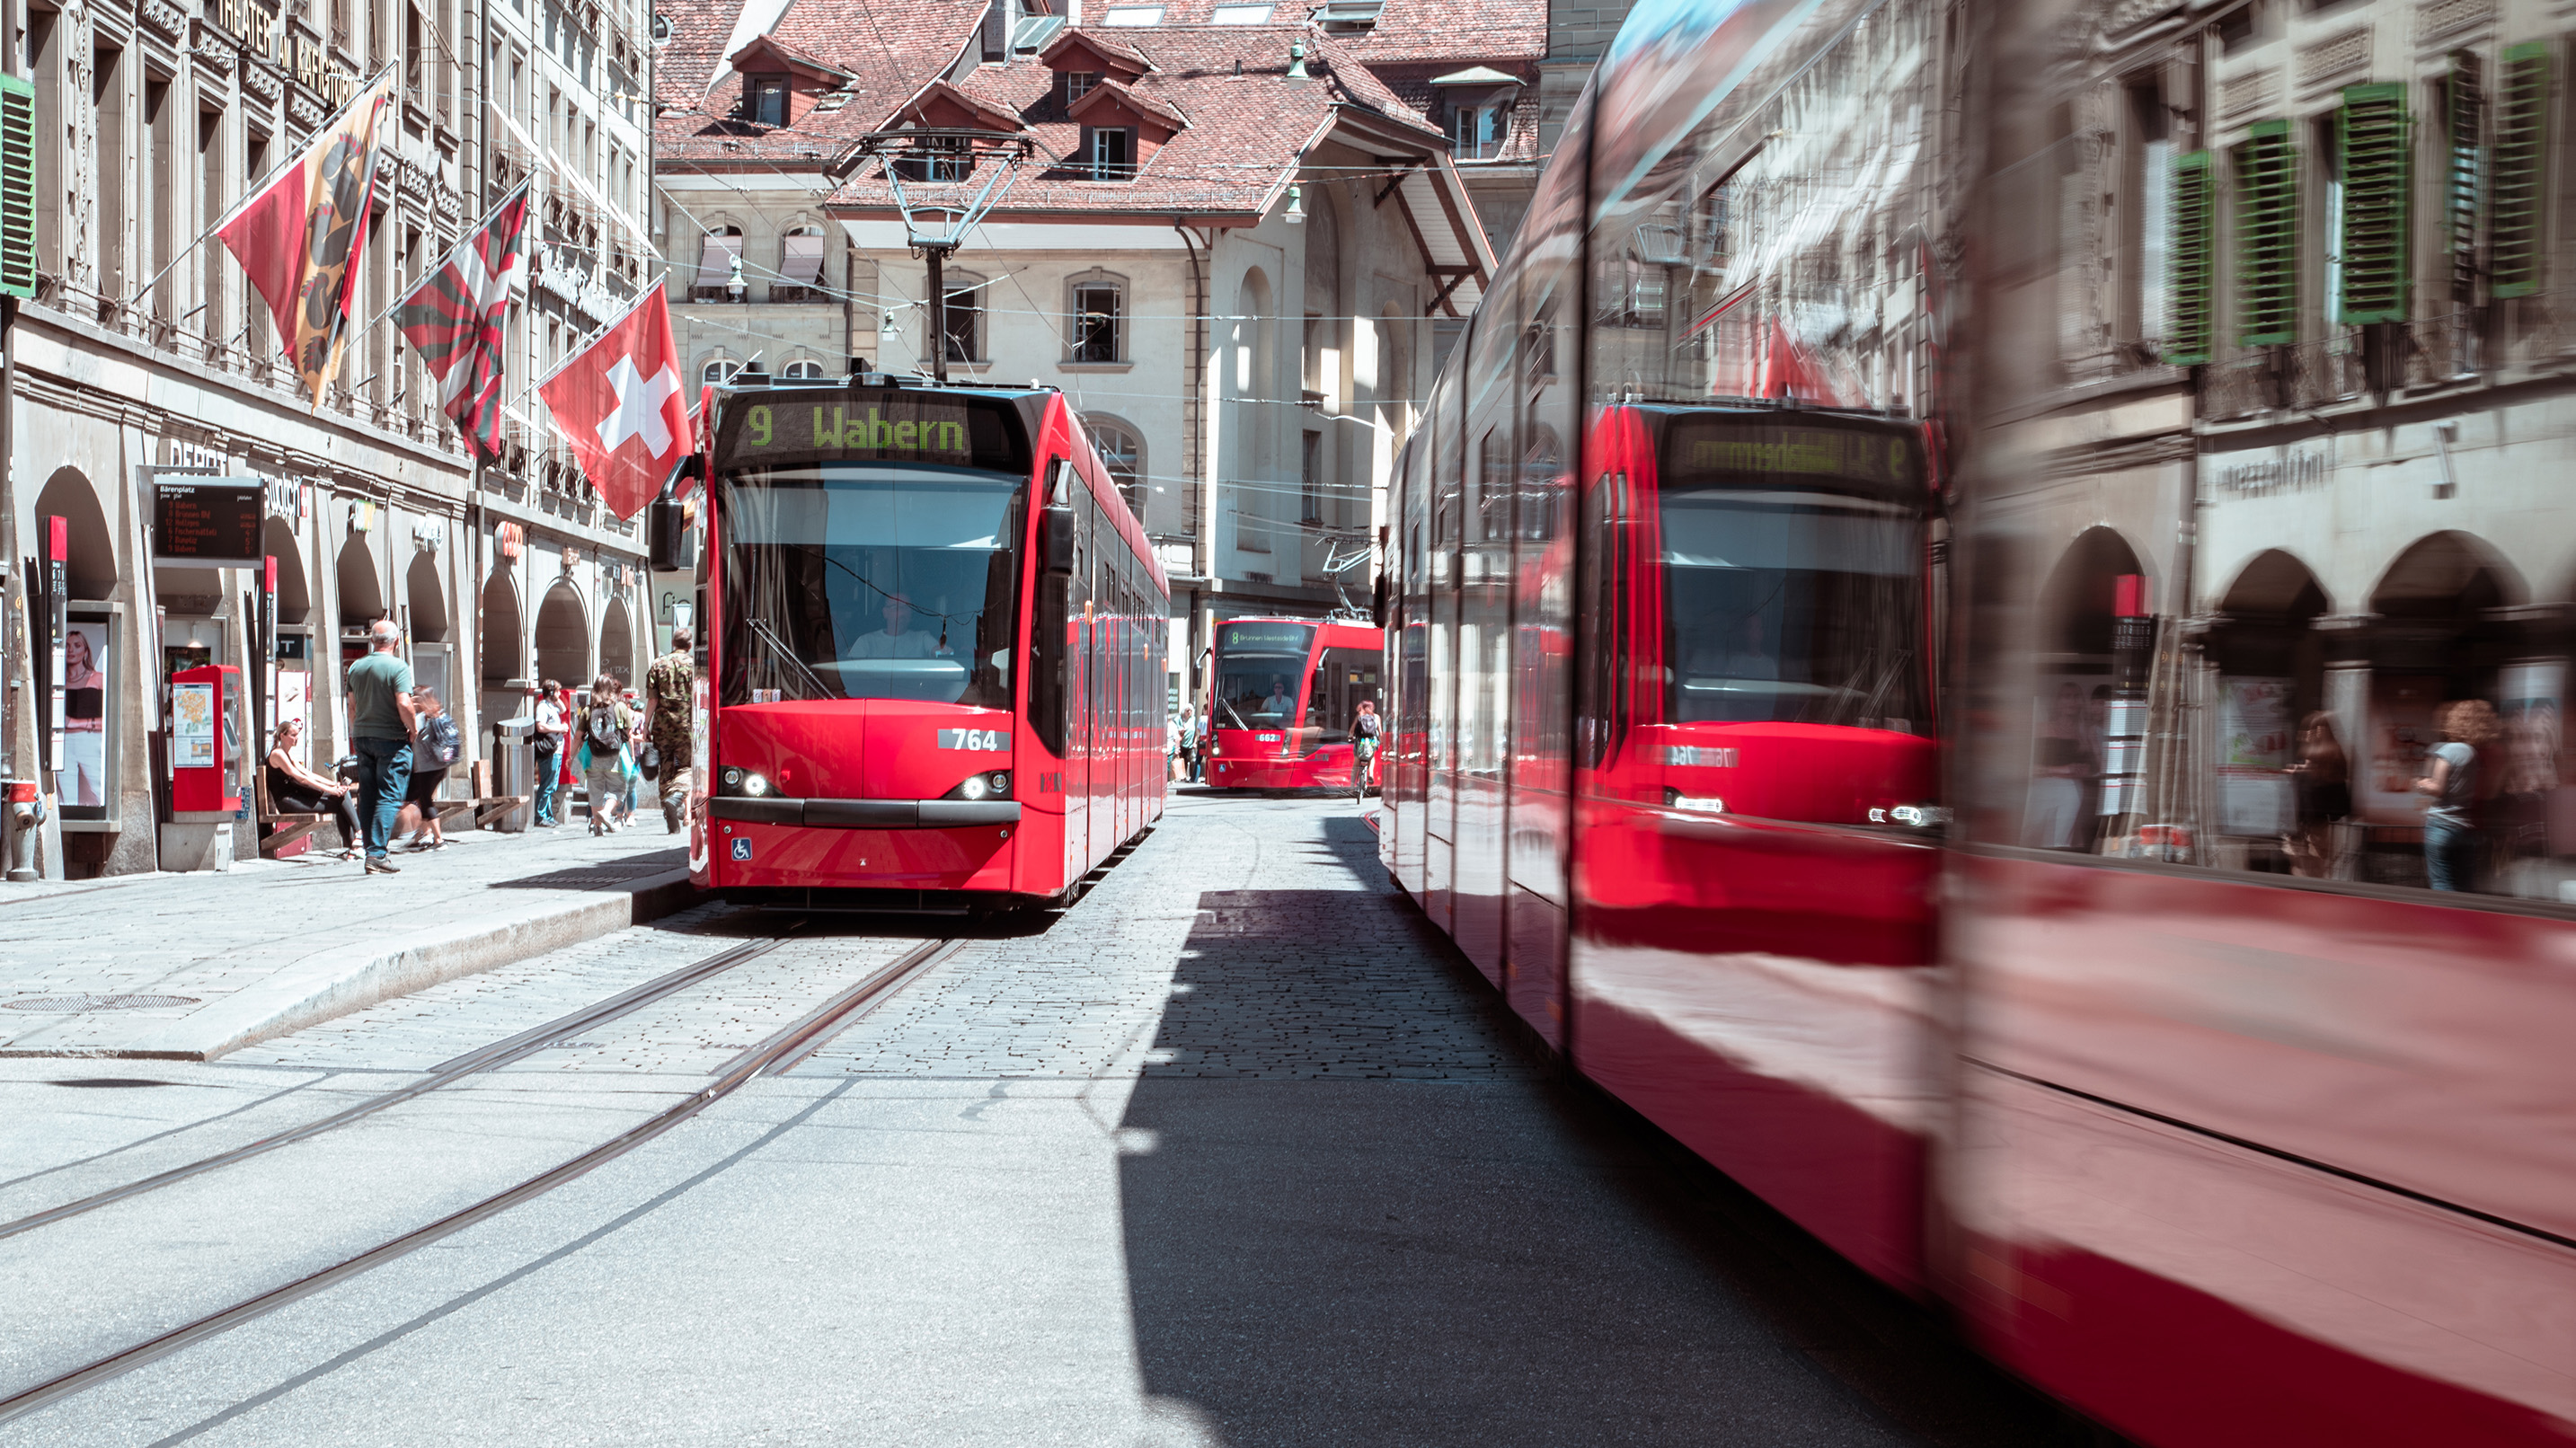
(618, 403)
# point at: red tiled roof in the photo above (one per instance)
(1247, 127)
(891, 51)
(1454, 30)
(1090, 38)
(1109, 91)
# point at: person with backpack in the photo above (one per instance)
(1364, 735)
(439, 746)
(605, 724)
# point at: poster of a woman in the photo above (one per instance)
(84, 764)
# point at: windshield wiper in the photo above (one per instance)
(779, 647)
(1230, 709)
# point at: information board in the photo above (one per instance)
(209, 522)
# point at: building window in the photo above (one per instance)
(1310, 479)
(1241, 15)
(1476, 133)
(964, 323)
(718, 371)
(1133, 15)
(803, 369)
(937, 159)
(719, 259)
(768, 96)
(1109, 152)
(1099, 319)
(1078, 83)
(800, 266)
(1124, 456)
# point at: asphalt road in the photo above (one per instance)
(1233, 1153)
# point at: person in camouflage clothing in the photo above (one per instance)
(670, 689)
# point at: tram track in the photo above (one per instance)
(445, 1074)
(780, 1052)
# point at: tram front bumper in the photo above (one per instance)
(867, 814)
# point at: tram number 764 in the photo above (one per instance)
(971, 739)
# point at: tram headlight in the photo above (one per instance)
(744, 782)
(993, 784)
(1703, 803)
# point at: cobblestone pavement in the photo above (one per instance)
(1232, 1154)
(1224, 947)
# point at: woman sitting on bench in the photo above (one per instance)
(294, 789)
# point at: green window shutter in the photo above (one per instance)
(2267, 237)
(2514, 192)
(2372, 136)
(17, 187)
(2465, 156)
(2192, 239)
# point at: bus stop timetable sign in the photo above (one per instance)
(209, 522)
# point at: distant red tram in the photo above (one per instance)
(931, 659)
(1281, 693)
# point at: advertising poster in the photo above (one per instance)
(2400, 730)
(83, 716)
(2528, 698)
(2254, 745)
(293, 703)
(192, 726)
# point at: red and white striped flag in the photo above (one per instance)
(454, 319)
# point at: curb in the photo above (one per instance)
(310, 992)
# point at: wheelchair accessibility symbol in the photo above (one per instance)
(741, 848)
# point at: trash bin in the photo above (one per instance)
(514, 770)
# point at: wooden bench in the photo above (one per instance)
(293, 827)
(486, 805)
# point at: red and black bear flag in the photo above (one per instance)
(454, 319)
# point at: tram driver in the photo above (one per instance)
(1280, 704)
(898, 639)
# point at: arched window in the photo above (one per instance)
(718, 370)
(719, 261)
(1124, 455)
(803, 369)
(800, 265)
(1098, 304)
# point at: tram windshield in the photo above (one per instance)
(1259, 670)
(1800, 603)
(864, 580)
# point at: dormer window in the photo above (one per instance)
(1078, 83)
(1109, 152)
(1478, 131)
(768, 100)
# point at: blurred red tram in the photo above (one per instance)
(1281, 693)
(930, 653)
(2213, 1122)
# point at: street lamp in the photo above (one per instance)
(1296, 213)
(734, 286)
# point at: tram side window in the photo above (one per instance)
(1050, 623)
(1343, 677)
(1602, 641)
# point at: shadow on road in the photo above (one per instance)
(1360, 1209)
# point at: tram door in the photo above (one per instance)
(1440, 816)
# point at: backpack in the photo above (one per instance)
(438, 736)
(1368, 726)
(604, 733)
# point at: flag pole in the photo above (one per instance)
(257, 189)
(432, 274)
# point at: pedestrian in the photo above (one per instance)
(605, 723)
(670, 705)
(2451, 839)
(628, 757)
(1364, 735)
(1187, 765)
(548, 744)
(383, 725)
(440, 744)
(294, 789)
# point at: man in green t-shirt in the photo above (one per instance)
(382, 729)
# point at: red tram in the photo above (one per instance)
(930, 661)
(2212, 1078)
(1281, 693)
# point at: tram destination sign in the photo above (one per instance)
(1700, 448)
(893, 425)
(1265, 638)
(209, 522)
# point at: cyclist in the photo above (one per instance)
(1364, 732)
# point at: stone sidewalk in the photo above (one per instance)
(190, 967)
